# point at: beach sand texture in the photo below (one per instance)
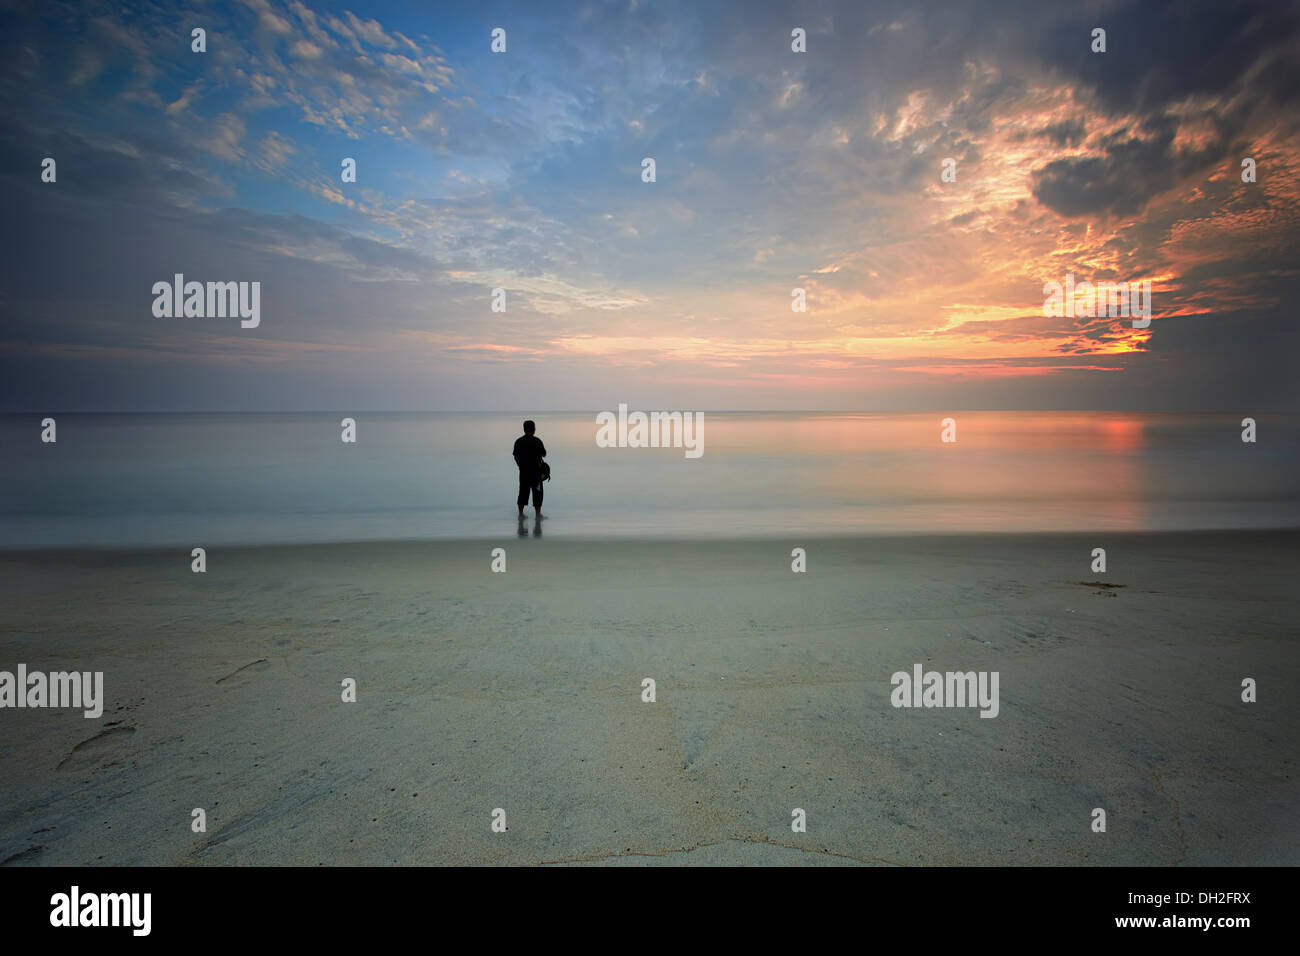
(522, 691)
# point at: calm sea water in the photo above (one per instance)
(185, 480)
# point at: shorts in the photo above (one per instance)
(530, 483)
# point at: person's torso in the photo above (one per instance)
(528, 450)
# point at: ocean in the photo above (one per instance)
(190, 480)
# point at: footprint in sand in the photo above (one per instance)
(260, 664)
(91, 750)
(27, 856)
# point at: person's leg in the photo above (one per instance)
(537, 496)
(524, 483)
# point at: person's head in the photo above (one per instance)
(530, 426)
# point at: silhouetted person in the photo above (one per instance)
(529, 452)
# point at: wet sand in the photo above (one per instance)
(522, 691)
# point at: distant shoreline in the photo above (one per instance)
(667, 540)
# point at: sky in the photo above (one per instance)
(522, 170)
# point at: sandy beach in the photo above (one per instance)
(523, 691)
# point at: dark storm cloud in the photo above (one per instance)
(1134, 167)
(1161, 51)
(1245, 55)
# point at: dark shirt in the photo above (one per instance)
(529, 452)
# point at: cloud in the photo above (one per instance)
(775, 170)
